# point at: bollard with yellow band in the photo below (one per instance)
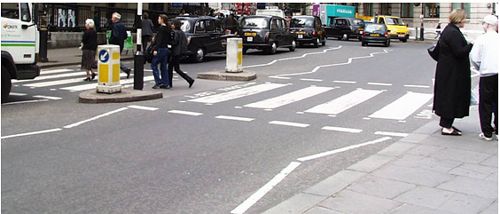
(234, 55)
(109, 69)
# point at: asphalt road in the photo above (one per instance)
(209, 148)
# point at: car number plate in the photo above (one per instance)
(249, 39)
(401, 35)
(374, 34)
(300, 36)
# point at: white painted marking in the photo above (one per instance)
(182, 101)
(243, 207)
(17, 94)
(94, 85)
(25, 101)
(143, 108)
(53, 89)
(31, 133)
(403, 107)
(344, 102)
(59, 82)
(393, 134)
(341, 129)
(346, 82)
(311, 80)
(417, 86)
(238, 93)
(283, 78)
(190, 113)
(76, 73)
(366, 118)
(56, 71)
(324, 154)
(48, 97)
(378, 83)
(238, 107)
(244, 119)
(95, 118)
(288, 98)
(284, 123)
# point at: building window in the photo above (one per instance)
(431, 10)
(463, 6)
(406, 10)
(385, 9)
(368, 9)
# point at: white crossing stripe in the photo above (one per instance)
(284, 123)
(341, 81)
(143, 108)
(341, 129)
(60, 82)
(55, 71)
(244, 119)
(278, 77)
(289, 97)
(417, 86)
(312, 80)
(402, 107)
(393, 134)
(377, 83)
(48, 97)
(94, 85)
(344, 102)
(190, 113)
(31, 133)
(73, 74)
(238, 93)
(17, 94)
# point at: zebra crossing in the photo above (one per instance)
(407, 104)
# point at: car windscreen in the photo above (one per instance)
(256, 22)
(393, 21)
(357, 22)
(374, 28)
(185, 25)
(302, 22)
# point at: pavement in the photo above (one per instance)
(71, 56)
(424, 172)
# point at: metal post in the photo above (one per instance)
(139, 56)
(44, 37)
(422, 24)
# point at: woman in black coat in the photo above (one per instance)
(89, 46)
(452, 88)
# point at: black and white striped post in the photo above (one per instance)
(139, 56)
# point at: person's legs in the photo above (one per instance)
(176, 62)
(164, 67)
(446, 122)
(154, 67)
(170, 70)
(486, 103)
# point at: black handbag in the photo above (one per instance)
(434, 51)
(148, 55)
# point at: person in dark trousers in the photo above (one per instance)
(438, 31)
(179, 47)
(484, 57)
(118, 36)
(230, 24)
(89, 47)
(147, 31)
(160, 53)
(452, 88)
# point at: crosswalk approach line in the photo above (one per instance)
(344, 102)
(238, 93)
(403, 107)
(289, 97)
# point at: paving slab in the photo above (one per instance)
(380, 187)
(461, 203)
(214, 75)
(492, 209)
(335, 183)
(474, 171)
(371, 163)
(296, 204)
(425, 150)
(426, 197)
(491, 161)
(413, 175)
(321, 210)
(415, 209)
(396, 149)
(352, 202)
(473, 186)
(426, 163)
(414, 138)
(461, 155)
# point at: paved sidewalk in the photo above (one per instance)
(70, 56)
(422, 173)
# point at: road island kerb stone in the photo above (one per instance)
(126, 95)
(422, 173)
(226, 76)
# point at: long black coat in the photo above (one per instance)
(452, 83)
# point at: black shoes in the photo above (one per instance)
(156, 86)
(455, 132)
(165, 87)
(87, 79)
(127, 71)
(191, 83)
(93, 76)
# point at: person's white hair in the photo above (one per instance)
(90, 23)
(490, 19)
(117, 15)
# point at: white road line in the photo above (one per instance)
(190, 113)
(323, 154)
(25, 101)
(17, 94)
(344, 102)
(378, 83)
(284, 123)
(95, 118)
(60, 82)
(56, 71)
(346, 82)
(48, 97)
(76, 73)
(341, 129)
(402, 107)
(94, 85)
(283, 78)
(238, 93)
(243, 207)
(244, 119)
(393, 134)
(311, 80)
(288, 98)
(143, 108)
(31, 133)
(417, 86)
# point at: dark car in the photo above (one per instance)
(345, 28)
(376, 33)
(205, 36)
(308, 29)
(266, 33)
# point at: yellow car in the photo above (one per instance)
(397, 29)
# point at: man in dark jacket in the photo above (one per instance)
(118, 36)
(179, 47)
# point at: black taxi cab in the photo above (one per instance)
(308, 29)
(267, 33)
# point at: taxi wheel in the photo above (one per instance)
(199, 56)
(316, 43)
(245, 50)
(6, 84)
(294, 45)
(273, 49)
(404, 40)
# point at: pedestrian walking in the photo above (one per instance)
(147, 31)
(230, 24)
(118, 36)
(160, 53)
(452, 88)
(179, 47)
(438, 31)
(484, 57)
(89, 47)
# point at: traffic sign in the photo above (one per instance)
(103, 56)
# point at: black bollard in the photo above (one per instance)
(138, 69)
